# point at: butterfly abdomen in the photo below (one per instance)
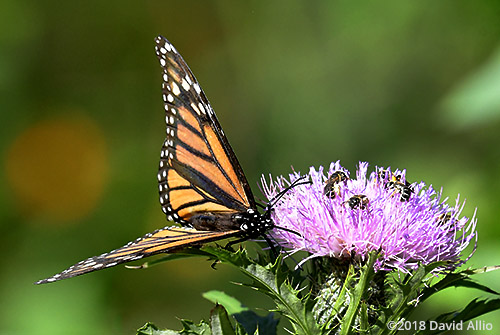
(214, 221)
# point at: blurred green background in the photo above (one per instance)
(412, 85)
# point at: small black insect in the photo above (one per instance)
(404, 189)
(395, 182)
(358, 201)
(443, 219)
(332, 185)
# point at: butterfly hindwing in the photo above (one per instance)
(163, 240)
(198, 170)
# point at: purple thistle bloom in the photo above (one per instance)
(409, 224)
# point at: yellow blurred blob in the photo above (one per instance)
(57, 168)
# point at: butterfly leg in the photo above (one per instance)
(274, 251)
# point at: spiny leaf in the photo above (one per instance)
(272, 281)
(249, 320)
(482, 270)
(475, 308)
(219, 322)
(367, 273)
(252, 322)
(191, 328)
(151, 329)
(405, 295)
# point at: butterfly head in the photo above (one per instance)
(253, 223)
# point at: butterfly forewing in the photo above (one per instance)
(198, 169)
(200, 180)
(163, 240)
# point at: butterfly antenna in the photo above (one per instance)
(287, 230)
(296, 182)
(260, 205)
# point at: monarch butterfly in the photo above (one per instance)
(201, 183)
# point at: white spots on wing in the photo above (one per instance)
(197, 88)
(170, 132)
(164, 174)
(173, 111)
(185, 85)
(165, 77)
(163, 50)
(193, 106)
(166, 45)
(171, 119)
(163, 62)
(175, 89)
(170, 98)
(161, 164)
(201, 107)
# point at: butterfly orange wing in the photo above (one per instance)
(163, 240)
(199, 171)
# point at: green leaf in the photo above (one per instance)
(405, 296)
(359, 292)
(475, 308)
(272, 280)
(151, 329)
(459, 279)
(189, 327)
(252, 322)
(482, 270)
(249, 320)
(231, 304)
(219, 321)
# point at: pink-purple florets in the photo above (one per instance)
(408, 224)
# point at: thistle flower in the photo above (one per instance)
(348, 217)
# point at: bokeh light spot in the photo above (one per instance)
(57, 168)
